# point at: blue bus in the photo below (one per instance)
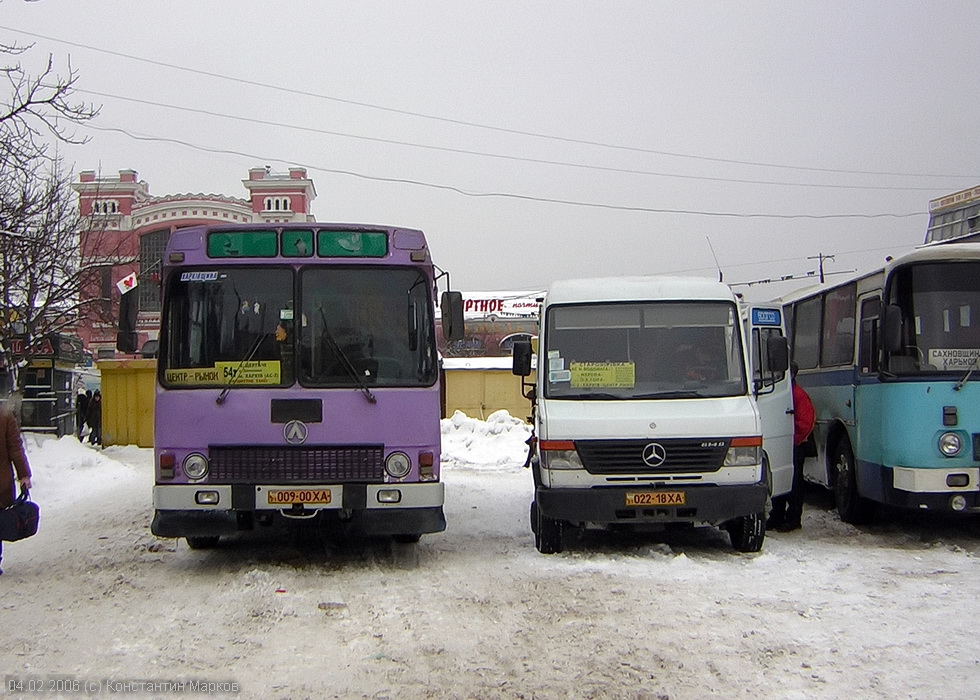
(890, 361)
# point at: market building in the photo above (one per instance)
(126, 231)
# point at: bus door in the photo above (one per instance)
(774, 395)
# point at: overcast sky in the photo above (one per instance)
(534, 141)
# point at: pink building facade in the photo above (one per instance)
(126, 231)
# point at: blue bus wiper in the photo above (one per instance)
(345, 361)
(961, 383)
(251, 353)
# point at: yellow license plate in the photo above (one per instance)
(306, 497)
(655, 498)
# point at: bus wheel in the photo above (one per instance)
(748, 532)
(547, 531)
(202, 542)
(851, 507)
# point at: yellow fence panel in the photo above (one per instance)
(129, 386)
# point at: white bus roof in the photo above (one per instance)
(646, 288)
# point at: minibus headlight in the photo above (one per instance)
(398, 464)
(560, 459)
(950, 444)
(195, 466)
(743, 456)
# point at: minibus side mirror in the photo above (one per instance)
(522, 357)
(778, 350)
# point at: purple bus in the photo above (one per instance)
(298, 378)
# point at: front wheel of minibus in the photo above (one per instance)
(851, 507)
(548, 532)
(748, 532)
(202, 542)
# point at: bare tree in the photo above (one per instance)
(39, 220)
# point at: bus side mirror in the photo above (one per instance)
(452, 315)
(126, 338)
(777, 349)
(522, 357)
(891, 331)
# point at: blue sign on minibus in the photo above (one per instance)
(766, 317)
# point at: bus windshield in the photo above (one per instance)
(661, 350)
(366, 325)
(353, 326)
(940, 305)
(228, 325)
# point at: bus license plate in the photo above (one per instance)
(306, 497)
(655, 498)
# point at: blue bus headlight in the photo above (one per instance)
(195, 466)
(950, 444)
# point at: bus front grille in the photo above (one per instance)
(258, 464)
(627, 456)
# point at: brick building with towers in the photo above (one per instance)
(126, 231)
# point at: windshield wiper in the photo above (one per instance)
(679, 394)
(345, 361)
(251, 353)
(961, 383)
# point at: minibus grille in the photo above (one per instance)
(626, 456)
(279, 465)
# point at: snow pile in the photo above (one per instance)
(500, 441)
(66, 470)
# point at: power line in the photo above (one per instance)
(503, 195)
(484, 154)
(460, 122)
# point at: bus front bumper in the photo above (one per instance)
(200, 510)
(702, 504)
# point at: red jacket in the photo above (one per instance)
(12, 457)
(804, 416)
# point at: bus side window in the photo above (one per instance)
(868, 348)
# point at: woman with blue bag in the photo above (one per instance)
(13, 460)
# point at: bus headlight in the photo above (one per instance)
(559, 454)
(950, 444)
(560, 459)
(398, 464)
(195, 466)
(743, 456)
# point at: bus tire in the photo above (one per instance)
(851, 507)
(209, 542)
(748, 532)
(548, 532)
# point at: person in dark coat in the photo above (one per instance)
(81, 410)
(94, 418)
(14, 468)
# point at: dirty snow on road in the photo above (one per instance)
(832, 611)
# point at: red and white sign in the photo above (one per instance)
(127, 283)
(501, 305)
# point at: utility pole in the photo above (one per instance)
(821, 257)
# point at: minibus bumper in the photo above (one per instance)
(608, 505)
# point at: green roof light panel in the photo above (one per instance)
(243, 244)
(351, 244)
(297, 244)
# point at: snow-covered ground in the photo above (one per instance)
(95, 602)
